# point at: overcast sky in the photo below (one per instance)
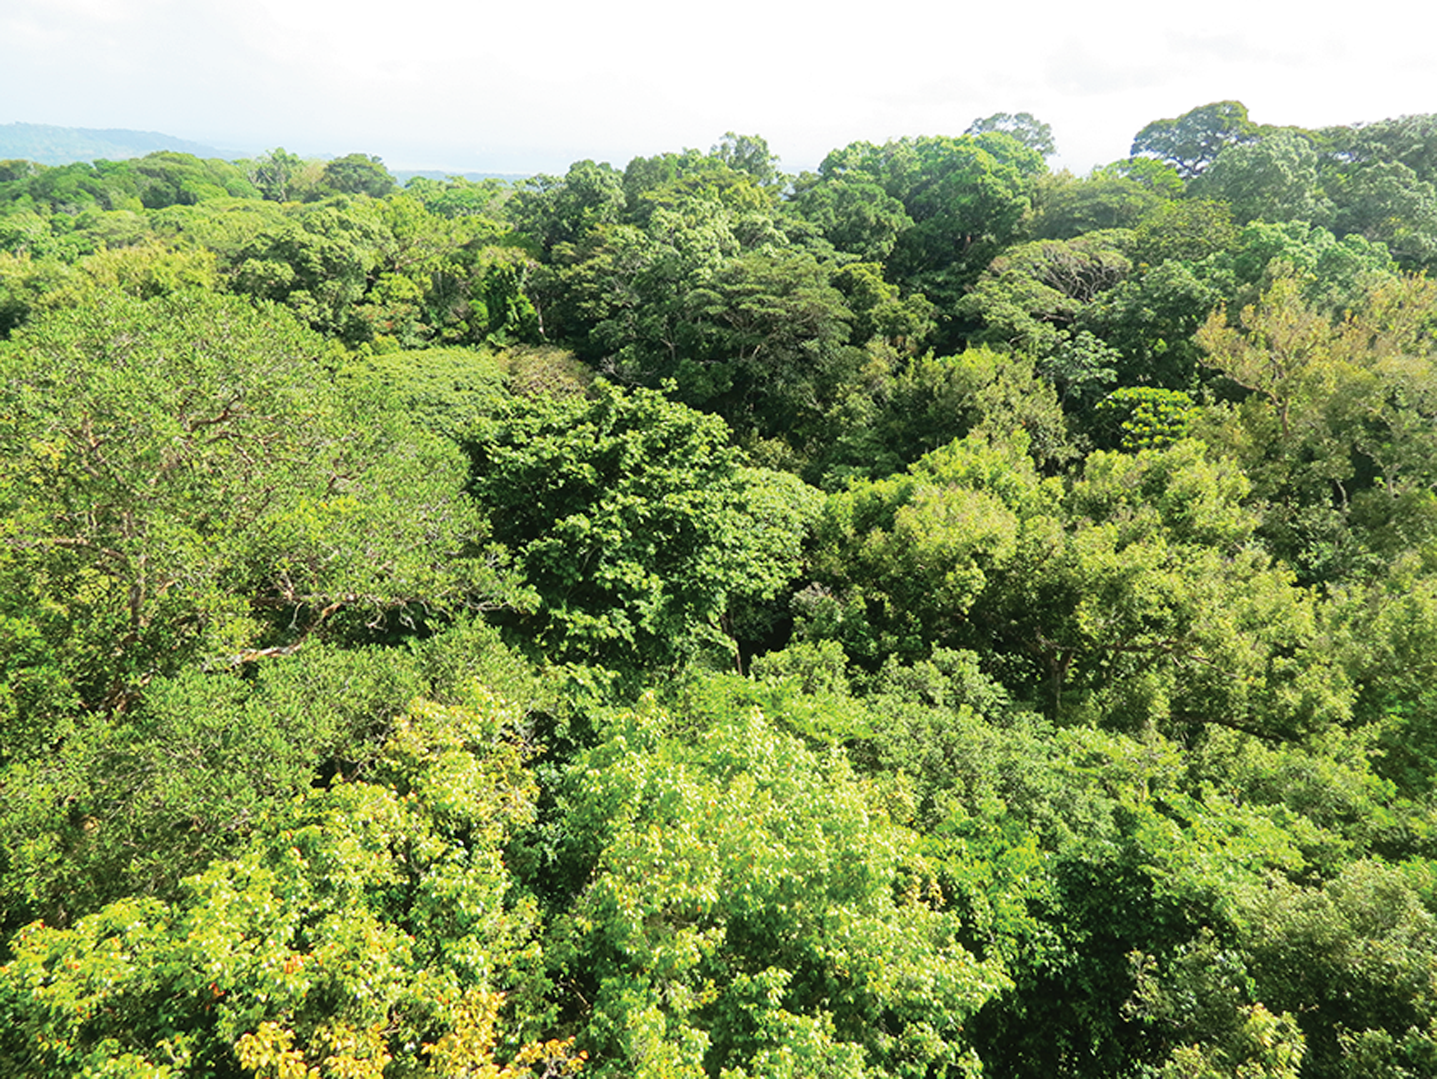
(523, 88)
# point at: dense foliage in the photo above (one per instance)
(931, 616)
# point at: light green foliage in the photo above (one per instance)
(909, 555)
(636, 524)
(448, 390)
(368, 925)
(749, 154)
(1333, 408)
(751, 912)
(67, 190)
(1182, 623)
(1145, 417)
(186, 483)
(222, 226)
(1326, 791)
(733, 176)
(1158, 177)
(24, 282)
(1067, 851)
(1133, 600)
(1334, 275)
(1406, 140)
(78, 209)
(457, 196)
(1023, 126)
(275, 173)
(145, 270)
(802, 690)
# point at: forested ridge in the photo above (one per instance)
(930, 616)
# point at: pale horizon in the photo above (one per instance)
(488, 88)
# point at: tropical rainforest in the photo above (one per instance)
(934, 616)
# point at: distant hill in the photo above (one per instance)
(435, 174)
(51, 145)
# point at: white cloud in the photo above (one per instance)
(525, 87)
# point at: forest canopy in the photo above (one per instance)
(930, 616)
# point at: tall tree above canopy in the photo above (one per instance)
(1408, 140)
(1023, 126)
(275, 172)
(551, 210)
(357, 174)
(1192, 141)
(750, 154)
(962, 193)
(1068, 207)
(854, 214)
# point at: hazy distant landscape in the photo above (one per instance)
(50, 145)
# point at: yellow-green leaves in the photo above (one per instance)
(363, 924)
(748, 909)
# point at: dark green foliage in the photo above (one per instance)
(357, 174)
(1272, 178)
(1149, 320)
(635, 523)
(1193, 141)
(1067, 207)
